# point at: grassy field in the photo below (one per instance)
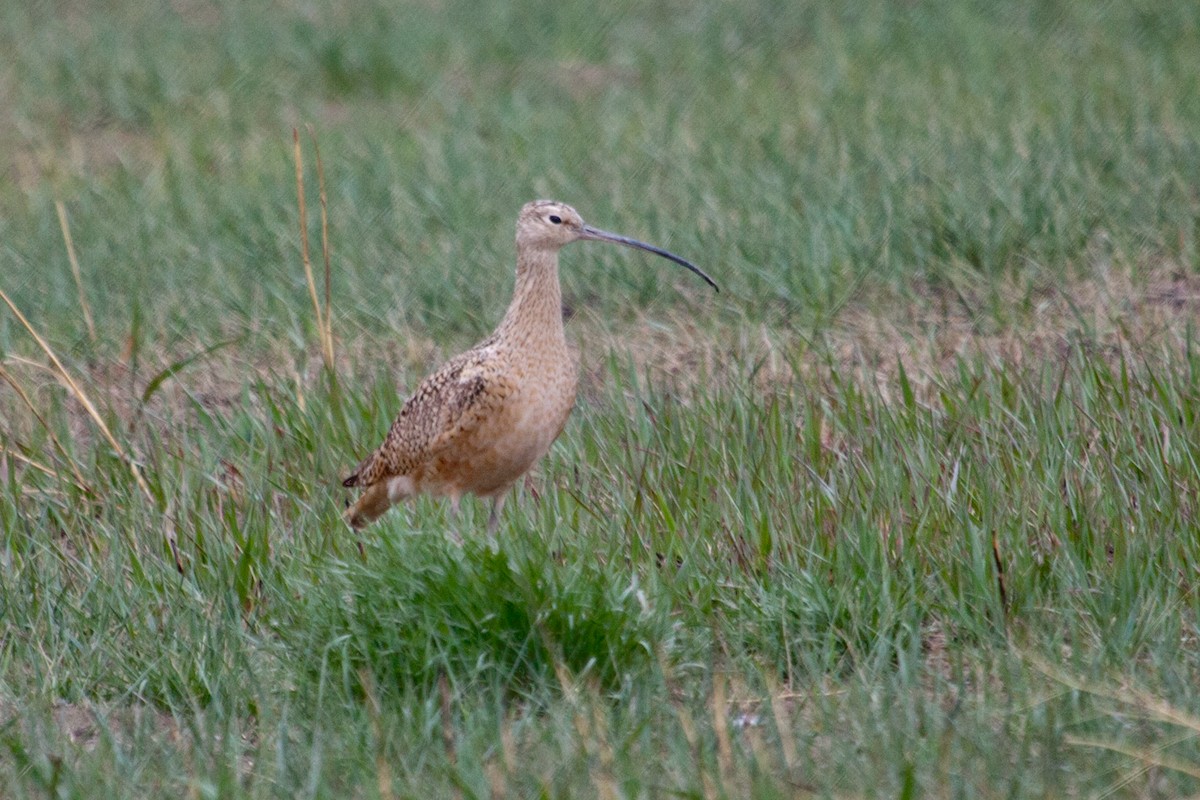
(909, 509)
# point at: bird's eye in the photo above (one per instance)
(556, 219)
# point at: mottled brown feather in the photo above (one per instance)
(437, 413)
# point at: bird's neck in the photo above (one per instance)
(535, 314)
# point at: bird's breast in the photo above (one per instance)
(518, 431)
(537, 411)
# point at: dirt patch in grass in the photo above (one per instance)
(84, 725)
(100, 150)
(1148, 316)
(1114, 314)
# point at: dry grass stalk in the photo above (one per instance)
(83, 303)
(1140, 769)
(322, 325)
(1152, 757)
(37, 366)
(749, 724)
(21, 393)
(498, 772)
(606, 782)
(447, 713)
(1000, 587)
(1151, 706)
(327, 331)
(82, 397)
(688, 726)
(592, 733)
(170, 536)
(383, 767)
(27, 461)
(783, 722)
(721, 729)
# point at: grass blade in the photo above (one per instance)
(82, 397)
(74, 261)
(157, 381)
(308, 271)
(327, 329)
(25, 398)
(1141, 754)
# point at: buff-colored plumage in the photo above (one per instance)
(479, 423)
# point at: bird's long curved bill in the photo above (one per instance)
(604, 236)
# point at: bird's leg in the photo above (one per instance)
(494, 517)
(452, 531)
(494, 521)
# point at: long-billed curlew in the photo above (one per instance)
(481, 421)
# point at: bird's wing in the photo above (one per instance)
(446, 405)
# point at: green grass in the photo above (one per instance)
(908, 509)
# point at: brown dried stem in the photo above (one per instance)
(83, 303)
(304, 254)
(82, 397)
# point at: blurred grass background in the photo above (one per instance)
(908, 509)
(795, 149)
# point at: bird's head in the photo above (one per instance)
(548, 225)
(545, 224)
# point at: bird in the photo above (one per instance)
(481, 421)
